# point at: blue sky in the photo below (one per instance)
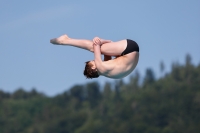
(165, 31)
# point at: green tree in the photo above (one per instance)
(20, 94)
(93, 93)
(188, 60)
(134, 82)
(77, 91)
(107, 91)
(149, 77)
(162, 68)
(118, 85)
(4, 95)
(176, 73)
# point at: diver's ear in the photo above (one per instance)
(93, 67)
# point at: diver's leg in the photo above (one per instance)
(80, 43)
(114, 48)
(111, 49)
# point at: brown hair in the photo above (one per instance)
(89, 72)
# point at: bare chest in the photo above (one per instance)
(122, 66)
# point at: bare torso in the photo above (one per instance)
(122, 66)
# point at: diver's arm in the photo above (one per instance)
(100, 65)
(97, 59)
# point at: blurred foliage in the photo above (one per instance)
(170, 104)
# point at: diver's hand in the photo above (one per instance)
(97, 41)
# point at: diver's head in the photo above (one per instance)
(90, 70)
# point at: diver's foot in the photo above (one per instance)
(60, 40)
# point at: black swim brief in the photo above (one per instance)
(131, 47)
